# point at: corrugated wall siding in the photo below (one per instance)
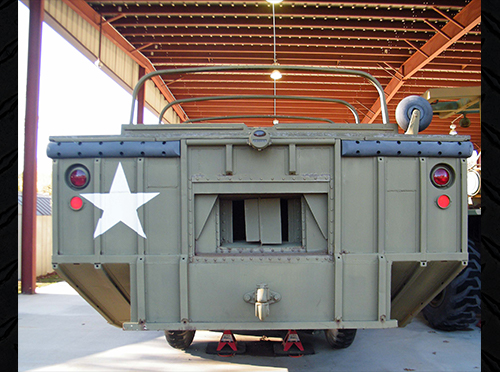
(70, 25)
(43, 245)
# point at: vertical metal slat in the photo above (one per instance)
(97, 211)
(183, 262)
(423, 207)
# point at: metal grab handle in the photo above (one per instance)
(337, 71)
(258, 116)
(259, 96)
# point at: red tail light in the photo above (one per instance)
(443, 201)
(441, 176)
(76, 203)
(78, 177)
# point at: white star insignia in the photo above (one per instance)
(119, 205)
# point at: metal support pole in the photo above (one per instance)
(141, 98)
(28, 248)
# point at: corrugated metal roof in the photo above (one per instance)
(409, 46)
(43, 204)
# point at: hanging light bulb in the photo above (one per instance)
(276, 75)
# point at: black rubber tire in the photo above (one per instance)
(405, 109)
(340, 338)
(458, 305)
(179, 339)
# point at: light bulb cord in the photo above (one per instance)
(275, 98)
(274, 36)
(274, 55)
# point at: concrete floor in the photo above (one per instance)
(59, 331)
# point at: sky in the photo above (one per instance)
(76, 97)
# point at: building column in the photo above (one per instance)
(28, 242)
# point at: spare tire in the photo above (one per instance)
(458, 305)
(405, 109)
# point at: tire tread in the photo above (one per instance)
(179, 339)
(462, 298)
(340, 338)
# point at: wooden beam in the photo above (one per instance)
(91, 16)
(469, 17)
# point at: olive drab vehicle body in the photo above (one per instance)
(298, 226)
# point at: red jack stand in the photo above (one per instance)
(227, 339)
(292, 338)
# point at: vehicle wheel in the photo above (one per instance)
(456, 307)
(179, 339)
(405, 109)
(340, 338)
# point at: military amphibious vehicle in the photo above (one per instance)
(304, 224)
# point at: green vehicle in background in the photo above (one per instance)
(309, 225)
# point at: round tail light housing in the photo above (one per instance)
(443, 201)
(76, 203)
(78, 177)
(441, 176)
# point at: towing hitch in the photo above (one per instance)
(262, 297)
